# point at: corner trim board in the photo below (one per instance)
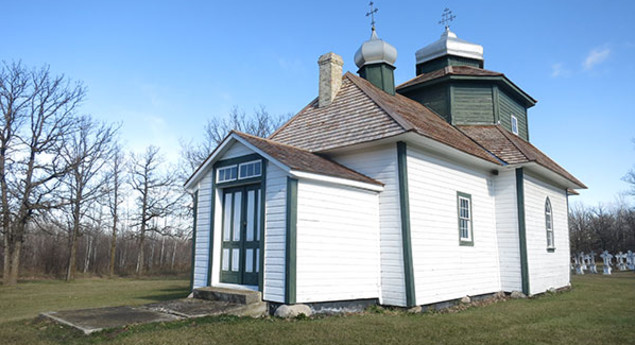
(210, 255)
(291, 241)
(194, 242)
(404, 202)
(522, 231)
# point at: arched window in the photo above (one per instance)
(549, 224)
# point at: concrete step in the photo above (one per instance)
(245, 297)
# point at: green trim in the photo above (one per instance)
(211, 229)
(193, 242)
(263, 199)
(291, 241)
(496, 105)
(522, 235)
(451, 103)
(458, 217)
(237, 160)
(404, 202)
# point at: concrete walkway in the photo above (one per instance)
(97, 319)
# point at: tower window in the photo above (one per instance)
(514, 125)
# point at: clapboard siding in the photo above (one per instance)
(435, 98)
(444, 269)
(275, 227)
(236, 150)
(472, 103)
(546, 270)
(337, 243)
(380, 163)
(507, 231)
(202, 231)
(509, 107)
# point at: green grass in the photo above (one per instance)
(28, 299)
(599, 310)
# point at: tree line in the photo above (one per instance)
(73, 199)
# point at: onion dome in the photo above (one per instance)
(448, 44)
(375, 51)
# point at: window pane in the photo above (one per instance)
(227, 220)
(225, 260)
(250, 215)
(258, 201)
(235, 259)
(237, 215)
(249, 260)
(257, 259)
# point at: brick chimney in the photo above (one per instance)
(330, 77)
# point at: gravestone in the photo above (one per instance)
(630, 260)
(592, 266)
(582, 262)
(607, 261)
(578, 265)
(620, 261)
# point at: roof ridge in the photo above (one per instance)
(405, 124)
(507, 136)
(294, 117)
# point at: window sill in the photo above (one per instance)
(551, 250)
(466, 243)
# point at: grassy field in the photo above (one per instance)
(598, 310)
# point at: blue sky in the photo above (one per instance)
(163, 68)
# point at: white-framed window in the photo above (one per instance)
(549, 224)
(514, 125)
(249, 169)
(227, 174)
(464, 204)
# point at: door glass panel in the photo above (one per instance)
(258, 201)
(235, 259)
(225, 259)
(250, 215)
(249, 260)
(257, 259)
(227, 220)
(237, 215)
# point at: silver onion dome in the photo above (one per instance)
(449, 44)
(375, 50)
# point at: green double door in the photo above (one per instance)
(240, 254)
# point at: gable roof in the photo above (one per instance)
(289, 158)
(513, 149)
(361, 113)
(302, 160)
(465, 72)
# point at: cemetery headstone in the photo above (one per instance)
(606, 256)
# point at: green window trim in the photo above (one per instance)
(465, 216)
(235, 163)
(551, 245)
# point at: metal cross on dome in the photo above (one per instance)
(447, 17)
(372, 14)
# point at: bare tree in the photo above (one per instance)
(87, 151)
(260, 124)
(115, 181)
(38, 115)
(155, 195)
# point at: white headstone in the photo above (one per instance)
(630, 260)
(621, 261)
(592, 266)
(607, 261)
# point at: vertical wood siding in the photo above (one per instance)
(337, 243)
(507, 231)
(444, 269)
(275, 234)
(202, 231)
(380, 163)
(507, 107)
(472, 104)
(546, 270)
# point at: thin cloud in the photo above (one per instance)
(595, 57)
(558, 70)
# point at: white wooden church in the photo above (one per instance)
(398, 195)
